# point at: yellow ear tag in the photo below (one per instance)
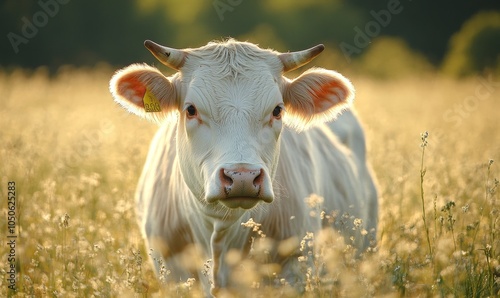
(151, 103)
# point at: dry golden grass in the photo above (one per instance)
(75, 157)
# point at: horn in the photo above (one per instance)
(295, 60)
(172, 58)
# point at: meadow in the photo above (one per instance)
(75, 158)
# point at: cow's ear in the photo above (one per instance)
(144, 91)
(318, 95)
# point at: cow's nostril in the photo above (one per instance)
(258, 180)
(225, 179)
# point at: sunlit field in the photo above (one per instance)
(75, 158)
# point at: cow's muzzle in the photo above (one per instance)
(240, 186)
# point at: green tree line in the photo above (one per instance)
(82, 33)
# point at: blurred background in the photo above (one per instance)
(378, 38)
(417, 65)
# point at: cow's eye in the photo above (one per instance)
(191, 111)
(277, 111)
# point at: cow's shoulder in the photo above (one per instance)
(160, 188)
(158, 166)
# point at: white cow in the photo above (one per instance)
(247, 143)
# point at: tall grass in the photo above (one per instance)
(76, 157)
(424, 137)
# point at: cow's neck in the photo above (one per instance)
(220, 231)
(227, 233)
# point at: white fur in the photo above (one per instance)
(235, 87)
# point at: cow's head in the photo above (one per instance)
(232, 100)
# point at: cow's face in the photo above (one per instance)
(231, 101)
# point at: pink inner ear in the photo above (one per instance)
(131, 88)
(327, 96)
